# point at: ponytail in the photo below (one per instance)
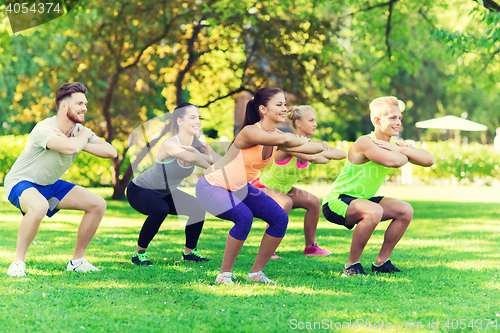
(262, 97)
(198, 145)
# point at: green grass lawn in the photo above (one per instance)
(450, 257)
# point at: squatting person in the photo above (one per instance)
(155, 192)
(33, 183)
(350, 201)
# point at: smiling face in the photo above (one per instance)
(307, 124)
(275, 110)
(389, 121)
(76, 107)
(191, 121)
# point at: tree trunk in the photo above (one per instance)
(120, 185)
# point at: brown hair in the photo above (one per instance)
(179, 112)
(262, 97)
(67, 89)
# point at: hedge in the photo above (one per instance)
(455, 163)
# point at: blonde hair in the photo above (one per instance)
(297, 112)
(382, 104)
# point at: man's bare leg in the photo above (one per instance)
(94, 207)
(401, 214)
(35, 206)
(366, 215)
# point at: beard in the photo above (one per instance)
(73, 116)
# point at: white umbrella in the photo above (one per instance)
(452, 123)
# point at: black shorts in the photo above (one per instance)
(345, 200)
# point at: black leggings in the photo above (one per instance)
(150, 203)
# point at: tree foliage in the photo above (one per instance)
(141, 58)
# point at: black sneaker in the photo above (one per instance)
(194, 255)
(386, 267)
(354, 269)
(141, 258)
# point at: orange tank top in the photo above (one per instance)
(241, 170)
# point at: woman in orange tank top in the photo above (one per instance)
(224, 189)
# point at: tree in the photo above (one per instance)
(141, 58)
(137, 57)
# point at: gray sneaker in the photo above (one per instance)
(225, 278)
(259, 277)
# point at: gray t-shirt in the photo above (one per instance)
(164, 177)
(37, 163)
(154, 177)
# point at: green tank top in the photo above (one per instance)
(284, 174)
(359, 181)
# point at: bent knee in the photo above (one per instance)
(241, 228)
(38, 209)
(97, 205)
(160, 211)
(313, 203)
(407, 211)
(277, 227)
(373, 214)
(278, 230)
(287, 204)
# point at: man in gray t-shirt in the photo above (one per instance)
(33, 183)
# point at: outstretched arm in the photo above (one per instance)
(101, 149)
(185, 153)
(311, 147)
(313, 158)
(210, 154)
(323, 157)
(251, 136)
(329, 153)
(332, 153)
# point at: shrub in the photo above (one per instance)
(459, 163)
(465, 163)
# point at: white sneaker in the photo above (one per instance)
(225, 278)
(17, 269)
(82, 266)
(259, 277)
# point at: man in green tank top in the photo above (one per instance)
(350, 200)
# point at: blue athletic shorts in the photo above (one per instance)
(53, 193)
